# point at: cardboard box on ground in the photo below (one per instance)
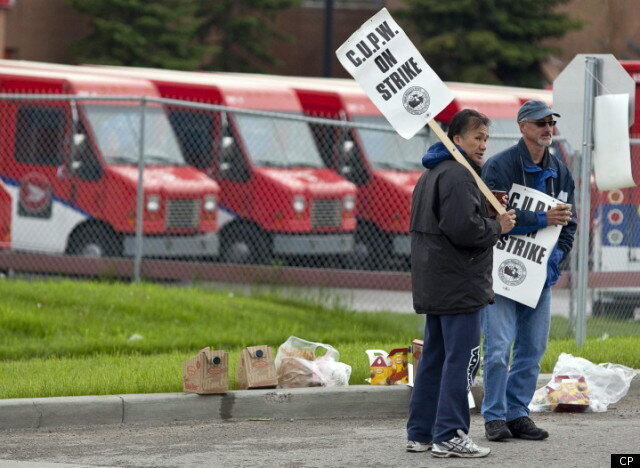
(256, 368)
(207, 372)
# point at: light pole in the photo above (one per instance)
(328, 38)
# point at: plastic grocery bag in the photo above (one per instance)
(298, 366)
(605, 383)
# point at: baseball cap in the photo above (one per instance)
(535, 110)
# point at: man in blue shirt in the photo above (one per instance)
(509, 386)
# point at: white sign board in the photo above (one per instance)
(520, 262)
(568, 93)
(611, 150)
(387, 65)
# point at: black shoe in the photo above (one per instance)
(496, 430)
(525, 428)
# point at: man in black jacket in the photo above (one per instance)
(452, 237)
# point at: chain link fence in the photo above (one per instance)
(159, 189)
(615, 250)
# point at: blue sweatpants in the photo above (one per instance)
(450, 359)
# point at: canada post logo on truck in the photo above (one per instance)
(35, 196)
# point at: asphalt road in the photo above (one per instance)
(577, 440)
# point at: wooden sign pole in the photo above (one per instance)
(435, 127)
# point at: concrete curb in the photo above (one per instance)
(355, 401)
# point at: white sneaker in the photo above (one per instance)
(461, 446)
(413, 446)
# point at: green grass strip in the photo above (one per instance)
(74, 338)
(63, 319)
(138, 373)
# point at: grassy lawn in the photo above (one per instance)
(596, 327)
(73, 338)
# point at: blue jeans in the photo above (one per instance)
(508, 388)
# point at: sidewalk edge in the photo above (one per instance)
(355, 401)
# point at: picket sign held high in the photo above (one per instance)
(401, 84)
(435, 127)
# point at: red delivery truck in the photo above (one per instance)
(70, 166)
(633, 68)
(384, 166)
(277, 197)
(5, 217)
(616, 233)
(615, 213)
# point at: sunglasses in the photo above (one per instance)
(551, 123)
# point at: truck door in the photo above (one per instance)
(40, 146)
(41, 142)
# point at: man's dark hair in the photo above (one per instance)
(466, 120)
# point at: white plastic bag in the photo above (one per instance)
(298, 366)
(607, 383)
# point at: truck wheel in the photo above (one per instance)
(95, 242)
(616, 309)
(371, 249)
(245, 245)
(598, 309)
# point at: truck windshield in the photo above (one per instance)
(276, 142)
(388, 150)
(117, 132)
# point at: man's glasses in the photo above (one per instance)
(537, 123)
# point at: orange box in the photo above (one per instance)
(399, 358)
(379, 371)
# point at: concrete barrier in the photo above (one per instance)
(355, 401)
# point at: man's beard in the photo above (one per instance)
(545, 142)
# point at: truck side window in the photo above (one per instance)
(40, 135)
(195, 134)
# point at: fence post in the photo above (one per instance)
(137, 260)
(591, 68)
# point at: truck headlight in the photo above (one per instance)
(153, 203)
(349, 203)
(209, 203)
(299, 203)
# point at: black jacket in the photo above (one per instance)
(452, 237)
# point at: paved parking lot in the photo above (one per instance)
(577, 440)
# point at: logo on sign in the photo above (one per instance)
(416, 100)
(512, 272)
(35, 196)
